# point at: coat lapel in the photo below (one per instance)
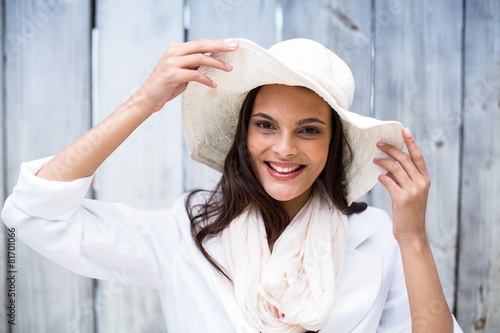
(359, 284)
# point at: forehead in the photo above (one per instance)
(290, 100)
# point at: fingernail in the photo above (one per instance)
(375, 159)
(407, 132)
(228, 66)
(380, 144)
(231, 44)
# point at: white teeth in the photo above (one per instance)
(284, 170)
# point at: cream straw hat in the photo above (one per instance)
(210, 115)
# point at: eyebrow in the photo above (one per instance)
(298, 123)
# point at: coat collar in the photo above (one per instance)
(359, 231)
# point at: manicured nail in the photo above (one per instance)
(231, 44)
(380, 144)
(407, 132)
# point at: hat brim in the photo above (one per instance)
(210, 115)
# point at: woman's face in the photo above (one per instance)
(288, 138)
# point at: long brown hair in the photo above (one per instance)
(239, 188)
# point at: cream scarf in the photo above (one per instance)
(291, 289)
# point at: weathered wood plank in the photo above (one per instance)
(478, 296)
(417, 81)
(47, 96)
(223, 19)
(4, 294)
(146, 171)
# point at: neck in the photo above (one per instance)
(293, 206)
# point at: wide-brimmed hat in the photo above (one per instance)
(210, 116)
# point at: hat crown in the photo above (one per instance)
(317, 62)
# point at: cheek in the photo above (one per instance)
(252, 146)
(255, 143)
(319, 153)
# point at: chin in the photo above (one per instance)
(282, 197)
(284, 194)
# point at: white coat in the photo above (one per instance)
(155, 248)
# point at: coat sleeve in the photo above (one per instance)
(396, 316)
(92, 238)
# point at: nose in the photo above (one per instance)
(285, 145)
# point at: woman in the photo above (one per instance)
(280, 245)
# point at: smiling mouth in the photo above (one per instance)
(283, 170)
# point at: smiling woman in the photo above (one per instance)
(279, 245)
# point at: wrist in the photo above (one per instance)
(141, 105)
(415, 244)
(146, 99)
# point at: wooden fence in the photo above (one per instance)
(433, 65)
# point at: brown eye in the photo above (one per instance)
(264, 125)
(310, 131)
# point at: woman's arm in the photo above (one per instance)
(408, 182)
(175, 69)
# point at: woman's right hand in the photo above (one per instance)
(178, 66)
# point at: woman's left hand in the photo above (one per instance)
(407, 182)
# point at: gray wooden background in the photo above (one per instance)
(433, 65)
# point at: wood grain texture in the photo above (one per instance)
(3, 238)
(47, 92)
(223, 19)
(233, 18)
(478, 295)
(417, 81)
(146, 171)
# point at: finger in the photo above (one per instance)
(193, 61)
(415, 152)
(402, 158)
(193, 75)
(203, 46)
(394, 171)
(390, 175)
(390, 185)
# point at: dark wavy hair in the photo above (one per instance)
(239, 188)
